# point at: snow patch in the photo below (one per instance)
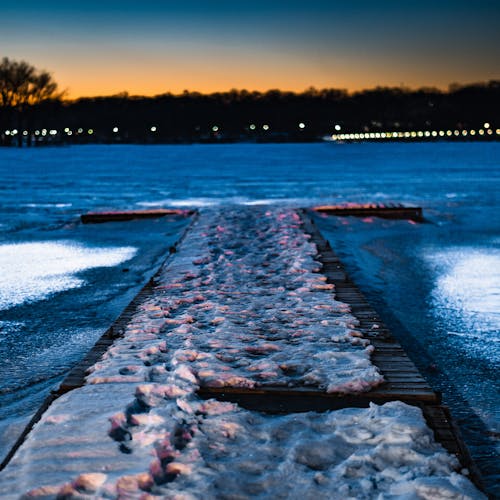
(33, 271)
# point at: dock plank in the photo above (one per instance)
(127, 215)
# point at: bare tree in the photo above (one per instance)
(22, 86)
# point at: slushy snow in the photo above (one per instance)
(243, 305)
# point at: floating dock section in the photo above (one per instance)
(250, 365)
(126, 215)
(384, 211)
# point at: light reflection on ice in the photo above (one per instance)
(277, 198)
(467, 292)
(277, 201)
(47, 205)
(187, 202)
(7, 327)
(32, 271)
(217, 201)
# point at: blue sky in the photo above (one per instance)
(147, 47)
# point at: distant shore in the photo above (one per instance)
(272, 116)
(54, 137)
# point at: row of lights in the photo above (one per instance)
(486, 130)
(356, 136)
(252, 126)
(45, 132)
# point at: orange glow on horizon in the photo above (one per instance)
(86, 85)
(152, 87)
(89, 87)
(108, 71)
(151, 75)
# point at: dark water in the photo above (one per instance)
(437, 284)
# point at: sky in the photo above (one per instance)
(146, 47)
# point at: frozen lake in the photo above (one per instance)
(436, 284)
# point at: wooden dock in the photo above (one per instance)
(126, 215)
(403, 382)
(384, 211)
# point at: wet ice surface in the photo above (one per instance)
(468, 285)
(33, 271)
(243, 305)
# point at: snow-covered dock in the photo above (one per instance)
(252, 316)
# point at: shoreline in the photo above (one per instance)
(351, 138)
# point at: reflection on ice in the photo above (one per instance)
(32, 271)
(47, 205)
(213, 201)
(7, 327)
(467, 289)
(187, 202)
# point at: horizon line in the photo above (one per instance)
(407, 88)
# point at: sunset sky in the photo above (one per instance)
(151, 47)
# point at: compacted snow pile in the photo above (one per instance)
(166, 443)
(242, 304)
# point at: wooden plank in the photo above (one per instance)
(373, 210)
(290, 400)
(446, 432)
(409, 377)
(126, 215)
(314, 399)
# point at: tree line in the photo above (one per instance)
(31, 104)
(22, 89)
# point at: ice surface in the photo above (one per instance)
(32, 271)
(173, 202)
(468, 284)
(117, 176)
